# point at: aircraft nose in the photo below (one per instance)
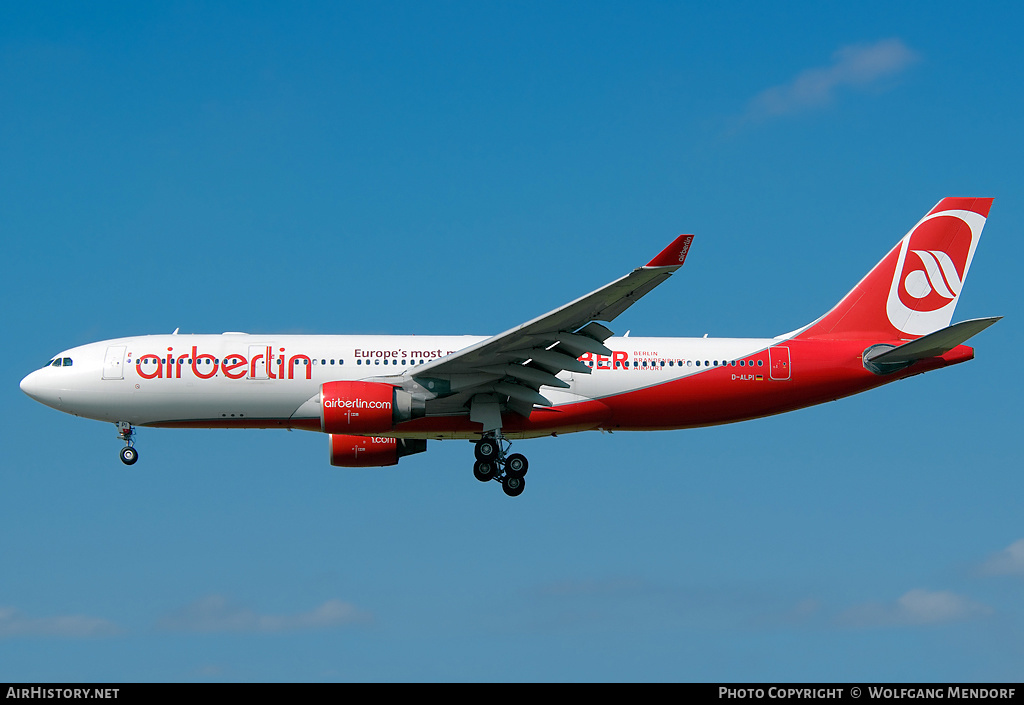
(34, 386)
(30, 384)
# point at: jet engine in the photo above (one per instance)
(371, 451)
(365, 407)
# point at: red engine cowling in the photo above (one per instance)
(365, 407)
(371, 451)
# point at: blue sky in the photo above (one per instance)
(460, 168)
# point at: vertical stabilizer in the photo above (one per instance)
(914, 290)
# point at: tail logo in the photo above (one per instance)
(933, 262)
(938, 281)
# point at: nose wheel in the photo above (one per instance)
(493, 462)
(125, 431)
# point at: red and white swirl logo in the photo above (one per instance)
(939, 276)
(933, 263)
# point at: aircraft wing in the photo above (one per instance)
(508, 369)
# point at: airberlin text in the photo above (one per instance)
(266, 364)
(355, 404)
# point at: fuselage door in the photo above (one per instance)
(778, 360)
(113, 362)
(258, 364)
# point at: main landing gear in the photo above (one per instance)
(128, 454)
(493, 462)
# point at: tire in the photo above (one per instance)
(484, 470)
(129, 455)
(487, 449)
(513, 486)
(516, 465)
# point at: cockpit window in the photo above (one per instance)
(49, 363)
(67, 362)
(56, 363)
(59, 362)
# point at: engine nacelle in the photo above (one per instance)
(365, 407)
(371, 451)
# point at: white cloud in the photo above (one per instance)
(1009, 561)
(16, 624)
(856, 65)
(215, 613)
(916, 607)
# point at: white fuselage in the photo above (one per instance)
(240, 379)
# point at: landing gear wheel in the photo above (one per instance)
(516, 465)
(125, 431)
(512, 485)
(484, 470)
(487, 449)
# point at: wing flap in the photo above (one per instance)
(548, 358)
(530, 375)
(576, 345)
(521, 393)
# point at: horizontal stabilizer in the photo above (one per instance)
(933, 344)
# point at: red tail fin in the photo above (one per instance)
(914, 289)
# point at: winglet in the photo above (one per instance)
(674, 255)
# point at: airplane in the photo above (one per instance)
(381, 398)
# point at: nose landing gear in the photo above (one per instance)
(128, 454)
(493, 463)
